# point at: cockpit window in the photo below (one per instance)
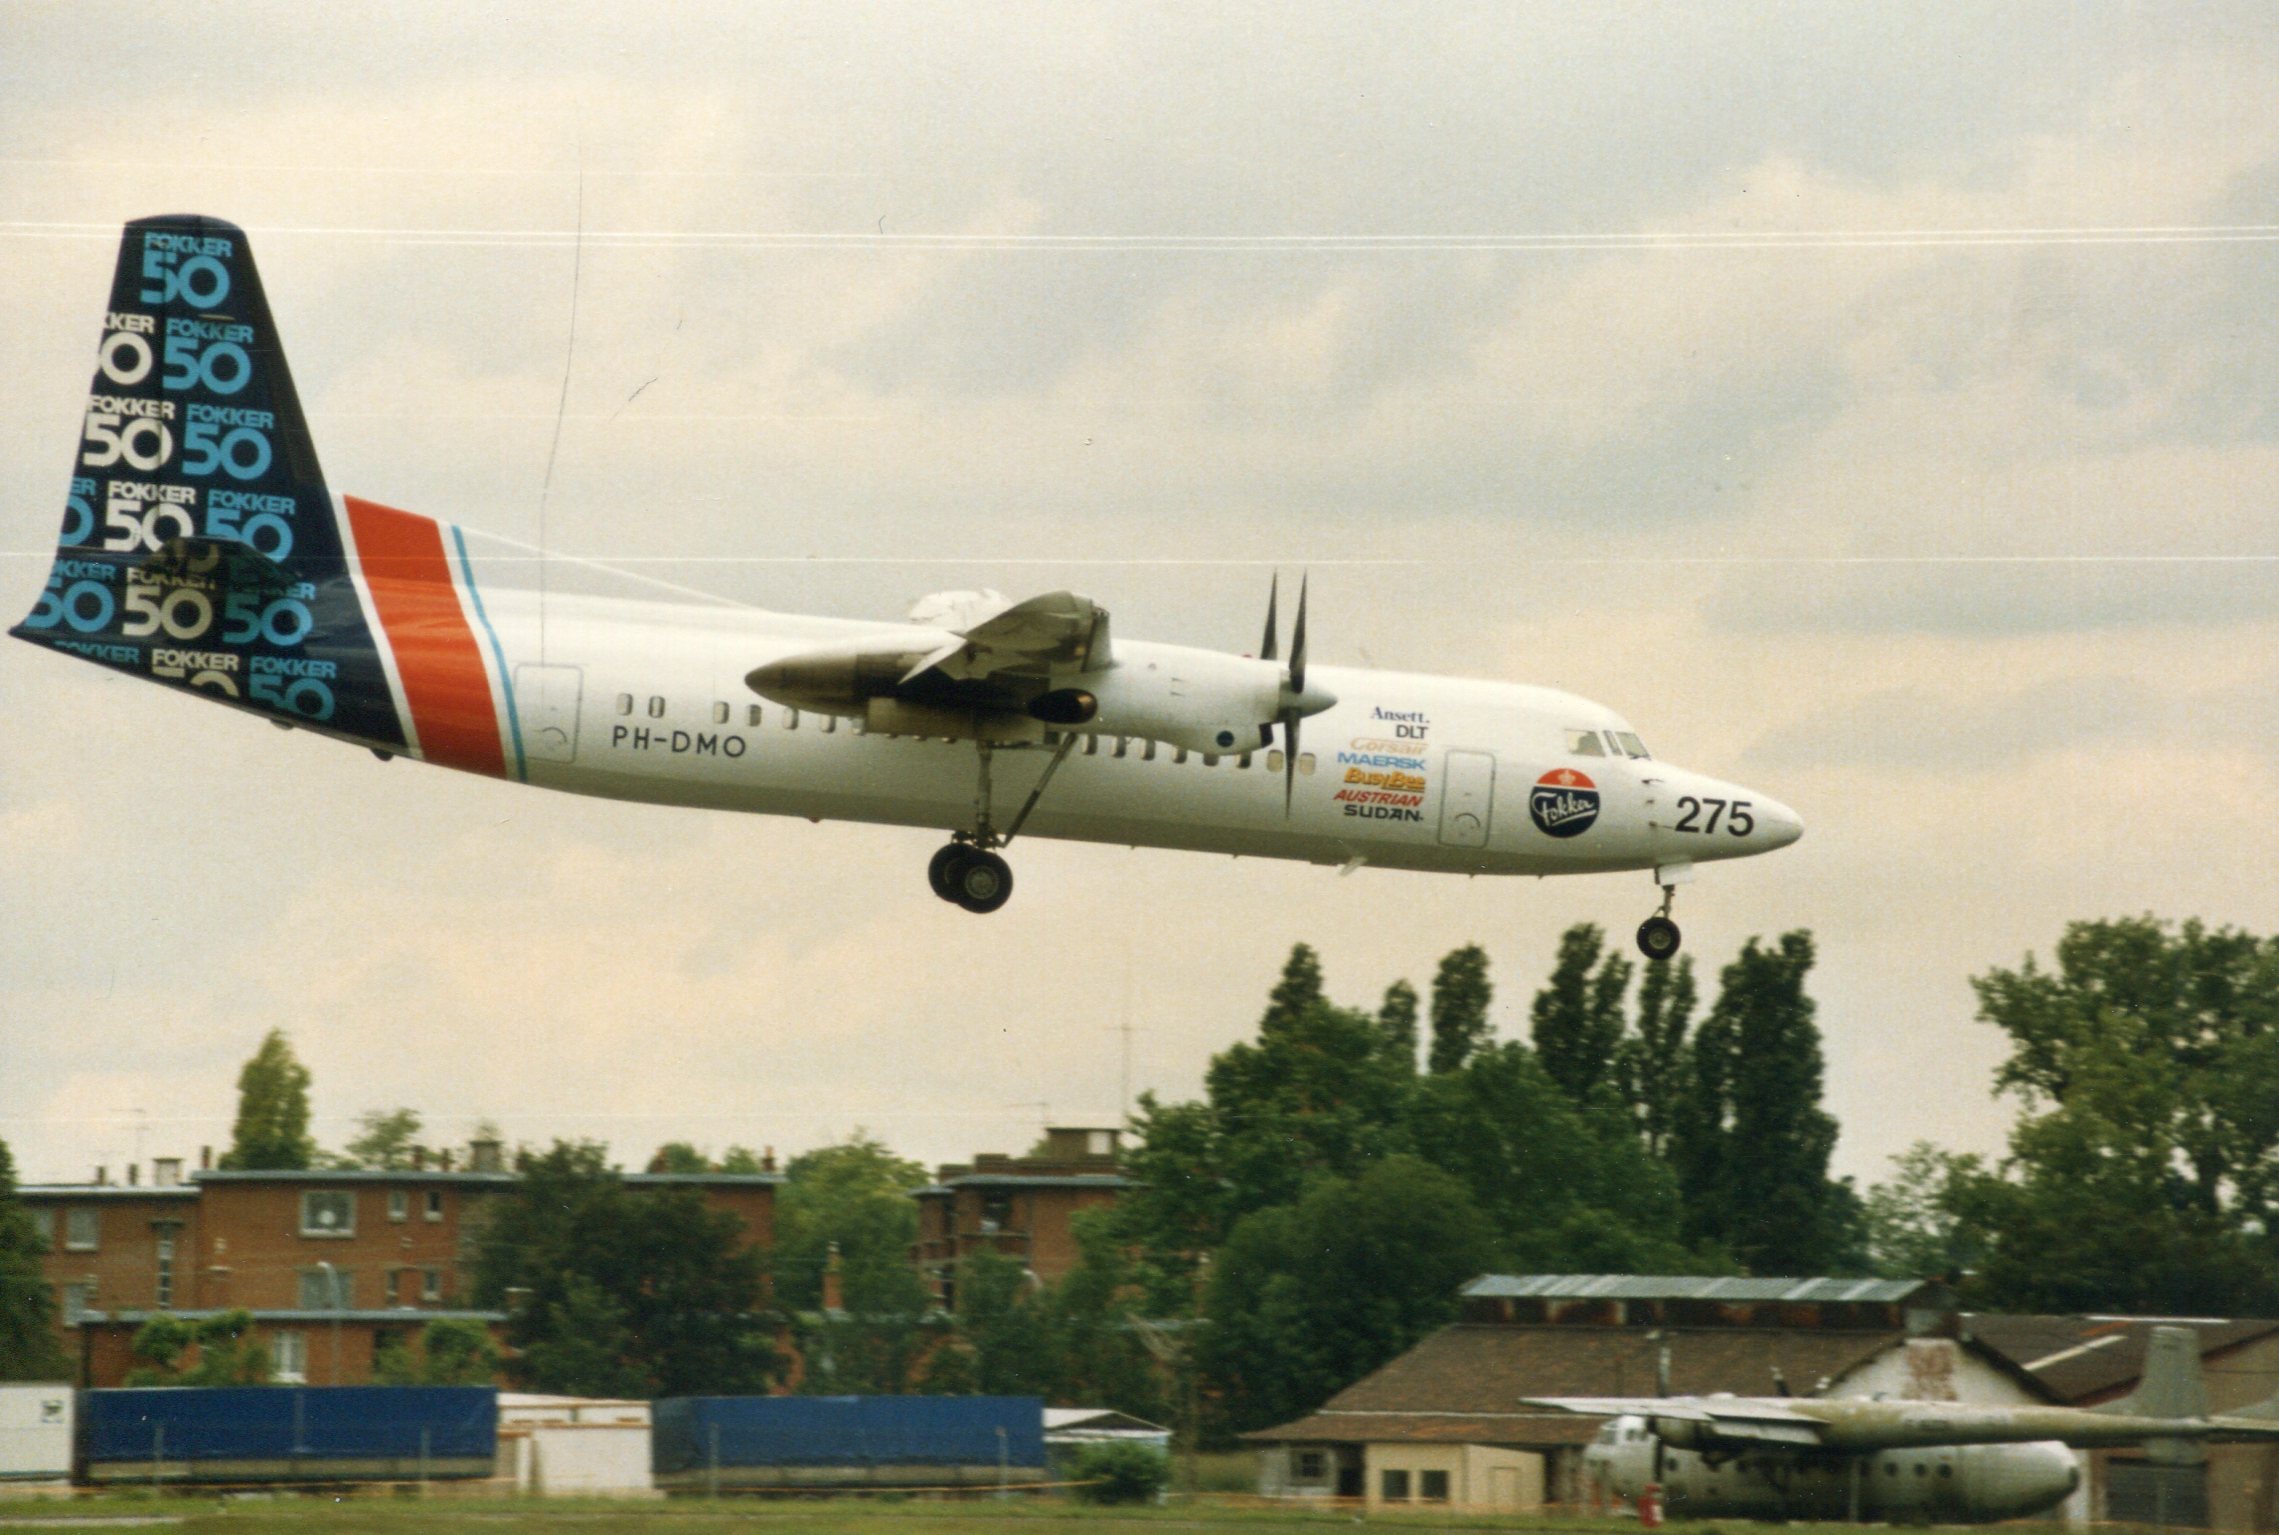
(1583, 743)
(1631, 744)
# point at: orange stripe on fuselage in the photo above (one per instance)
(442, 668)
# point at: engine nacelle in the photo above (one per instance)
(1199, 699)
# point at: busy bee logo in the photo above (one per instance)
(1563, 803)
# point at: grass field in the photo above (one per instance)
(370, 1515)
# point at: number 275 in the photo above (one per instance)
(1738, 822)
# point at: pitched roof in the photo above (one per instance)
(1478, 1373)
(2090, 1359)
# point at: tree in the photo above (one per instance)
(1299, 989)
(741, 1159)
(2143, 1173)
(1397, 1016)
(272, 1128)
(850, 1203)
(679, 1157)
(215, 1351)
(1576, 1019)
(1651, 1065)
(386, 1138)
(646, 1293)
(1916, 1220)
(1460, 995)
(1753, 1142)
(29, 1349)
(1308, 1297)
(452, 1351)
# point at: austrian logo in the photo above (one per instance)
(1563, 803)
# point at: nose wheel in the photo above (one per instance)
(972, 877)
(1658, 936)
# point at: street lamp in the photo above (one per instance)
(332, 1286)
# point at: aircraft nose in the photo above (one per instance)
(1777, 825)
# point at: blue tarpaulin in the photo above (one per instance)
(198, 1423)
(847, 1431)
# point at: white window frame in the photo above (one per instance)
(43, 1222)
(399, 1204)
(312, 1227)
(434, 1205)
(289, 1356)
(431, 1286)
(77, 1218)
(327, 1290)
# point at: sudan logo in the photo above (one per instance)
(1563, 803)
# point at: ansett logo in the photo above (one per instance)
(1563, 803)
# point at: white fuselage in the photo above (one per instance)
(646, 701)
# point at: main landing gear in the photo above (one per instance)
(970, 871)
(1658, 936)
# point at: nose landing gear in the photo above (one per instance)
(975, 878)
(1658, 936)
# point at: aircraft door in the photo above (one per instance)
(546, 705)
(1467, 798)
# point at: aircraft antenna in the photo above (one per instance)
(562, 401)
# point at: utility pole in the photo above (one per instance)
(332, 1286)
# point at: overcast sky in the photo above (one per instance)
(1875, 404)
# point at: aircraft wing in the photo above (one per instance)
(1725, 1417)
(1056, 634)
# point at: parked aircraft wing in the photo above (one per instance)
(1740, 1417)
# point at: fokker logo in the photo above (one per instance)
(1563, 803)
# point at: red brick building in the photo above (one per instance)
(1021, 1207)
(330, 1263)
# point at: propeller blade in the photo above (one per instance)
(1298, 642)
(1289, 761)
(1267, 650)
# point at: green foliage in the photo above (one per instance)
(1916, 1222)
(1120, 1471)
(452, 1351)
(1308, 1297)
(679, 1157)
(1751, 1141)
(1576, 1020)
(645, 1293)
(2144, 1171)
(272, 1128)
(1460, 996)
(1397, 1016)
(856, 1195)
(741, 1159)
(385, 1138)
(1298, 991)
(29, 1349)
(1007, 1325)
(217, 1351)
(1652, 1065)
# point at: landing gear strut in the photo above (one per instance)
(1658, 936)
(970, 871)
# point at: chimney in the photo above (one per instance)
(134, 1174)
(419, 1159)
(834, 1294)
(102, 1177)
(483, 1156)
(205, 1159)
(767, 1160)
(166, 1172)
(443, 1159)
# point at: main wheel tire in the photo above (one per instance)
(984, 882)
(1657, 938)
(942, 870)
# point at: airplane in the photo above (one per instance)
(202, 548)
(1717, 1457)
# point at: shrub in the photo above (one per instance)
(1119, 1471)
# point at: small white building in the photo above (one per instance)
(35, 1432)
(575, 1446)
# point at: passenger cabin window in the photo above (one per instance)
(752, 715)
(625, 703)
(719, 714)
(1179, 755)
(1123, 745)
(830, 723)
(1305, 764)
(656, 706)
(791, 719)
(1584, 743)
(1274, 760)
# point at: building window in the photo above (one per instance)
(1432, 1486)
(1393, 1486)
(1310, 1465)
(399, 1204)
(289, 1356)
(75, 1301)
(165, 1289)
(996, 1210)
(625, 703)
(431, 1286)
(327, 1290)
(435, 1204)
(328, 1213)
(394, 1287)
(43, 1222)
(82, 1229)
(1099, 1143)
(656, 706)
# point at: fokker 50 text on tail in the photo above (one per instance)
(203, 548)
(1832, 1458)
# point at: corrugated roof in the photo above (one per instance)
(1692, 1287)
(1543, 1430)
(1028, 1181)
(2083, 1360)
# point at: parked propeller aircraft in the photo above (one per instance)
(202, 548)
(1783, 1457)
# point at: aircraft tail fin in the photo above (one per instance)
(202, 549)
(2171, 1385)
